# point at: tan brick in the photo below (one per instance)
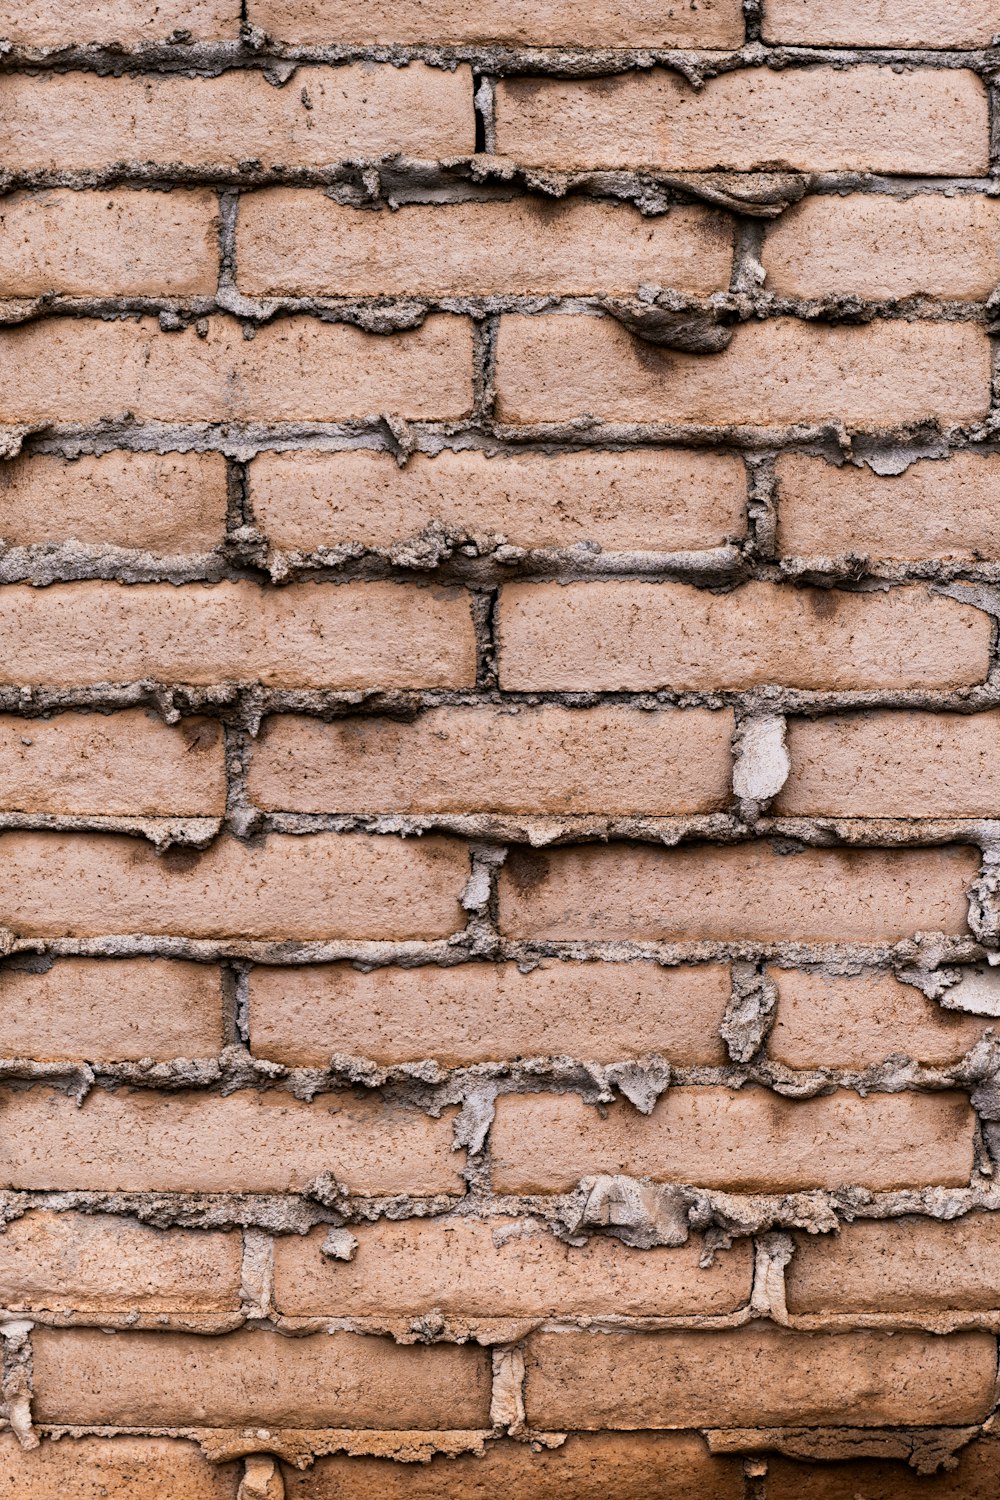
(114, 1010)
(125, 764)
(534, 760)
(898, 1265)
(746, 1141)
(857, 1021)
(297, 369)
(140, 1141)
(588, 1466)
(344, 1380)
(120, 1468)
(557, 368)
(880, 23)
(172, 503)
(906, 764)
(947, 509)
(757, 1376)
(477, 1012)
(325, 885)
(870, 245)
(120, 243)
(469, 1268)
(973, 1478)
(640, 23)
(100, 1263)
(59, 122)
(594, 636)
(743, 892)
(302, 244)
(644, 499)
(868, 118)
(305, 635)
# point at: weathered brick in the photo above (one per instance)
(302, 244)
(948, 509)
(880, 23)
(898, 1265)
(640, 23)
(588, 1466)
(725, 894)
(905, 764)
(871, 245)
(115, 1010)
(476, 1012)
(533, 760)
(747, 1141)
(64, 122)
(119, 1468)
(325, 885)
(125, 764)
(471, 1268)
(866, 118)
(857, 1021)
(140, 1141)
(644, 499)
(148, 1379)
(757, 1376)
(973, 1478)
(173, 503)
(121, 243)
(100, 1263)
(305, 635)
(594, 636)
(297, 369)
(774, 373)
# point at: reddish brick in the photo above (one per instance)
(880, 23)
(973, 1478)
(119, 1468)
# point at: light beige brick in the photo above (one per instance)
(477, 1012)
(974, 1477)
(644, 499)
(880, 23)
(249, 1142)
(119, 1468)
(635, 636)
(747, 1141)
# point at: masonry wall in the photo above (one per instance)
(499, 773)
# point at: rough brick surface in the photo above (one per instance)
(121, 1468)
(886, 23)
(972, 1478)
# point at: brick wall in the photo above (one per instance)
(499, 770)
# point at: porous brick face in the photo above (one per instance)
(499, 786)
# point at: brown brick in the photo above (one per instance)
(948, 509)
(470, 1268)
(114, 1010)
(345, 1380)
(884, 23)
(644, 499)
(757, 1376)
(588, 1466)
(906, 764)
(325, 885)
(869, 245)
(774, 373)
(297, 369)
(857, 1021)
(594, 636)
(641, 23)
(476, 1012)
(530, 761)
(249, 1142)
(63, 122)
(742, 892)
(302, 244)
(973, 1478)
(819, 119)
(120, 243)
(100, 1263)
(125, 764)
(746, 1141)
(119, 1468)
(898, 1265)
(172, 503)
(305, 635)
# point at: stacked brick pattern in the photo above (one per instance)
(499, 786)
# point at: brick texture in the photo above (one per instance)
(120, 1468)
(972, 1478)
(914, 23)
